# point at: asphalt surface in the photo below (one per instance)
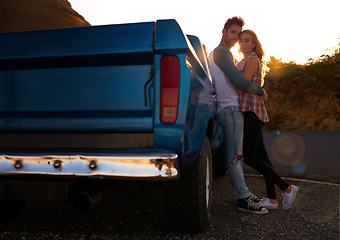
(304, 155)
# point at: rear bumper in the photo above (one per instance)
(123, 165)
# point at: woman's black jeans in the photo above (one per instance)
(255, 154)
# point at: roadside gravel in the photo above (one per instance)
(140, 216)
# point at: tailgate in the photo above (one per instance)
(78, 79)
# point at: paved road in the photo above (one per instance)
(309, 155)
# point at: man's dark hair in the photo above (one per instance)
(234, 20)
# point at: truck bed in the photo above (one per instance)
(73, 79)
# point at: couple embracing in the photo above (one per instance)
(242, 114)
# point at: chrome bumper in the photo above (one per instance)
(140, 165)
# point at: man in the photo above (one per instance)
(227, 79)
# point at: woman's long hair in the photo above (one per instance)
(258, 51)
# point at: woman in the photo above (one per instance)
(255, 116)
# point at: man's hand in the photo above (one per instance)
(239, 92)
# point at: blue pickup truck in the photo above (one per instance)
(81, 108)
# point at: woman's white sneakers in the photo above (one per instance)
(288, 200)
(266, 204)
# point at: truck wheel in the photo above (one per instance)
(10, 209)
(219, 163)
(188, 200)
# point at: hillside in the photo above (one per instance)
(304, 97)
(20, 15)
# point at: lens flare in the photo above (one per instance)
(288, 148)
(299, 167)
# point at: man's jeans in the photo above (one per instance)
(231, 120)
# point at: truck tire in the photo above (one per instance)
(188, 200)
(219, 163)
(10, 209)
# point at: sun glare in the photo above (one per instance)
(235, 51)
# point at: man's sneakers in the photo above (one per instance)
(255, 198)
(265, 202)
(248, 205)
(288, 198)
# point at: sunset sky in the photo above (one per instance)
(291, 30)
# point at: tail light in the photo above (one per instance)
(170, 82)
